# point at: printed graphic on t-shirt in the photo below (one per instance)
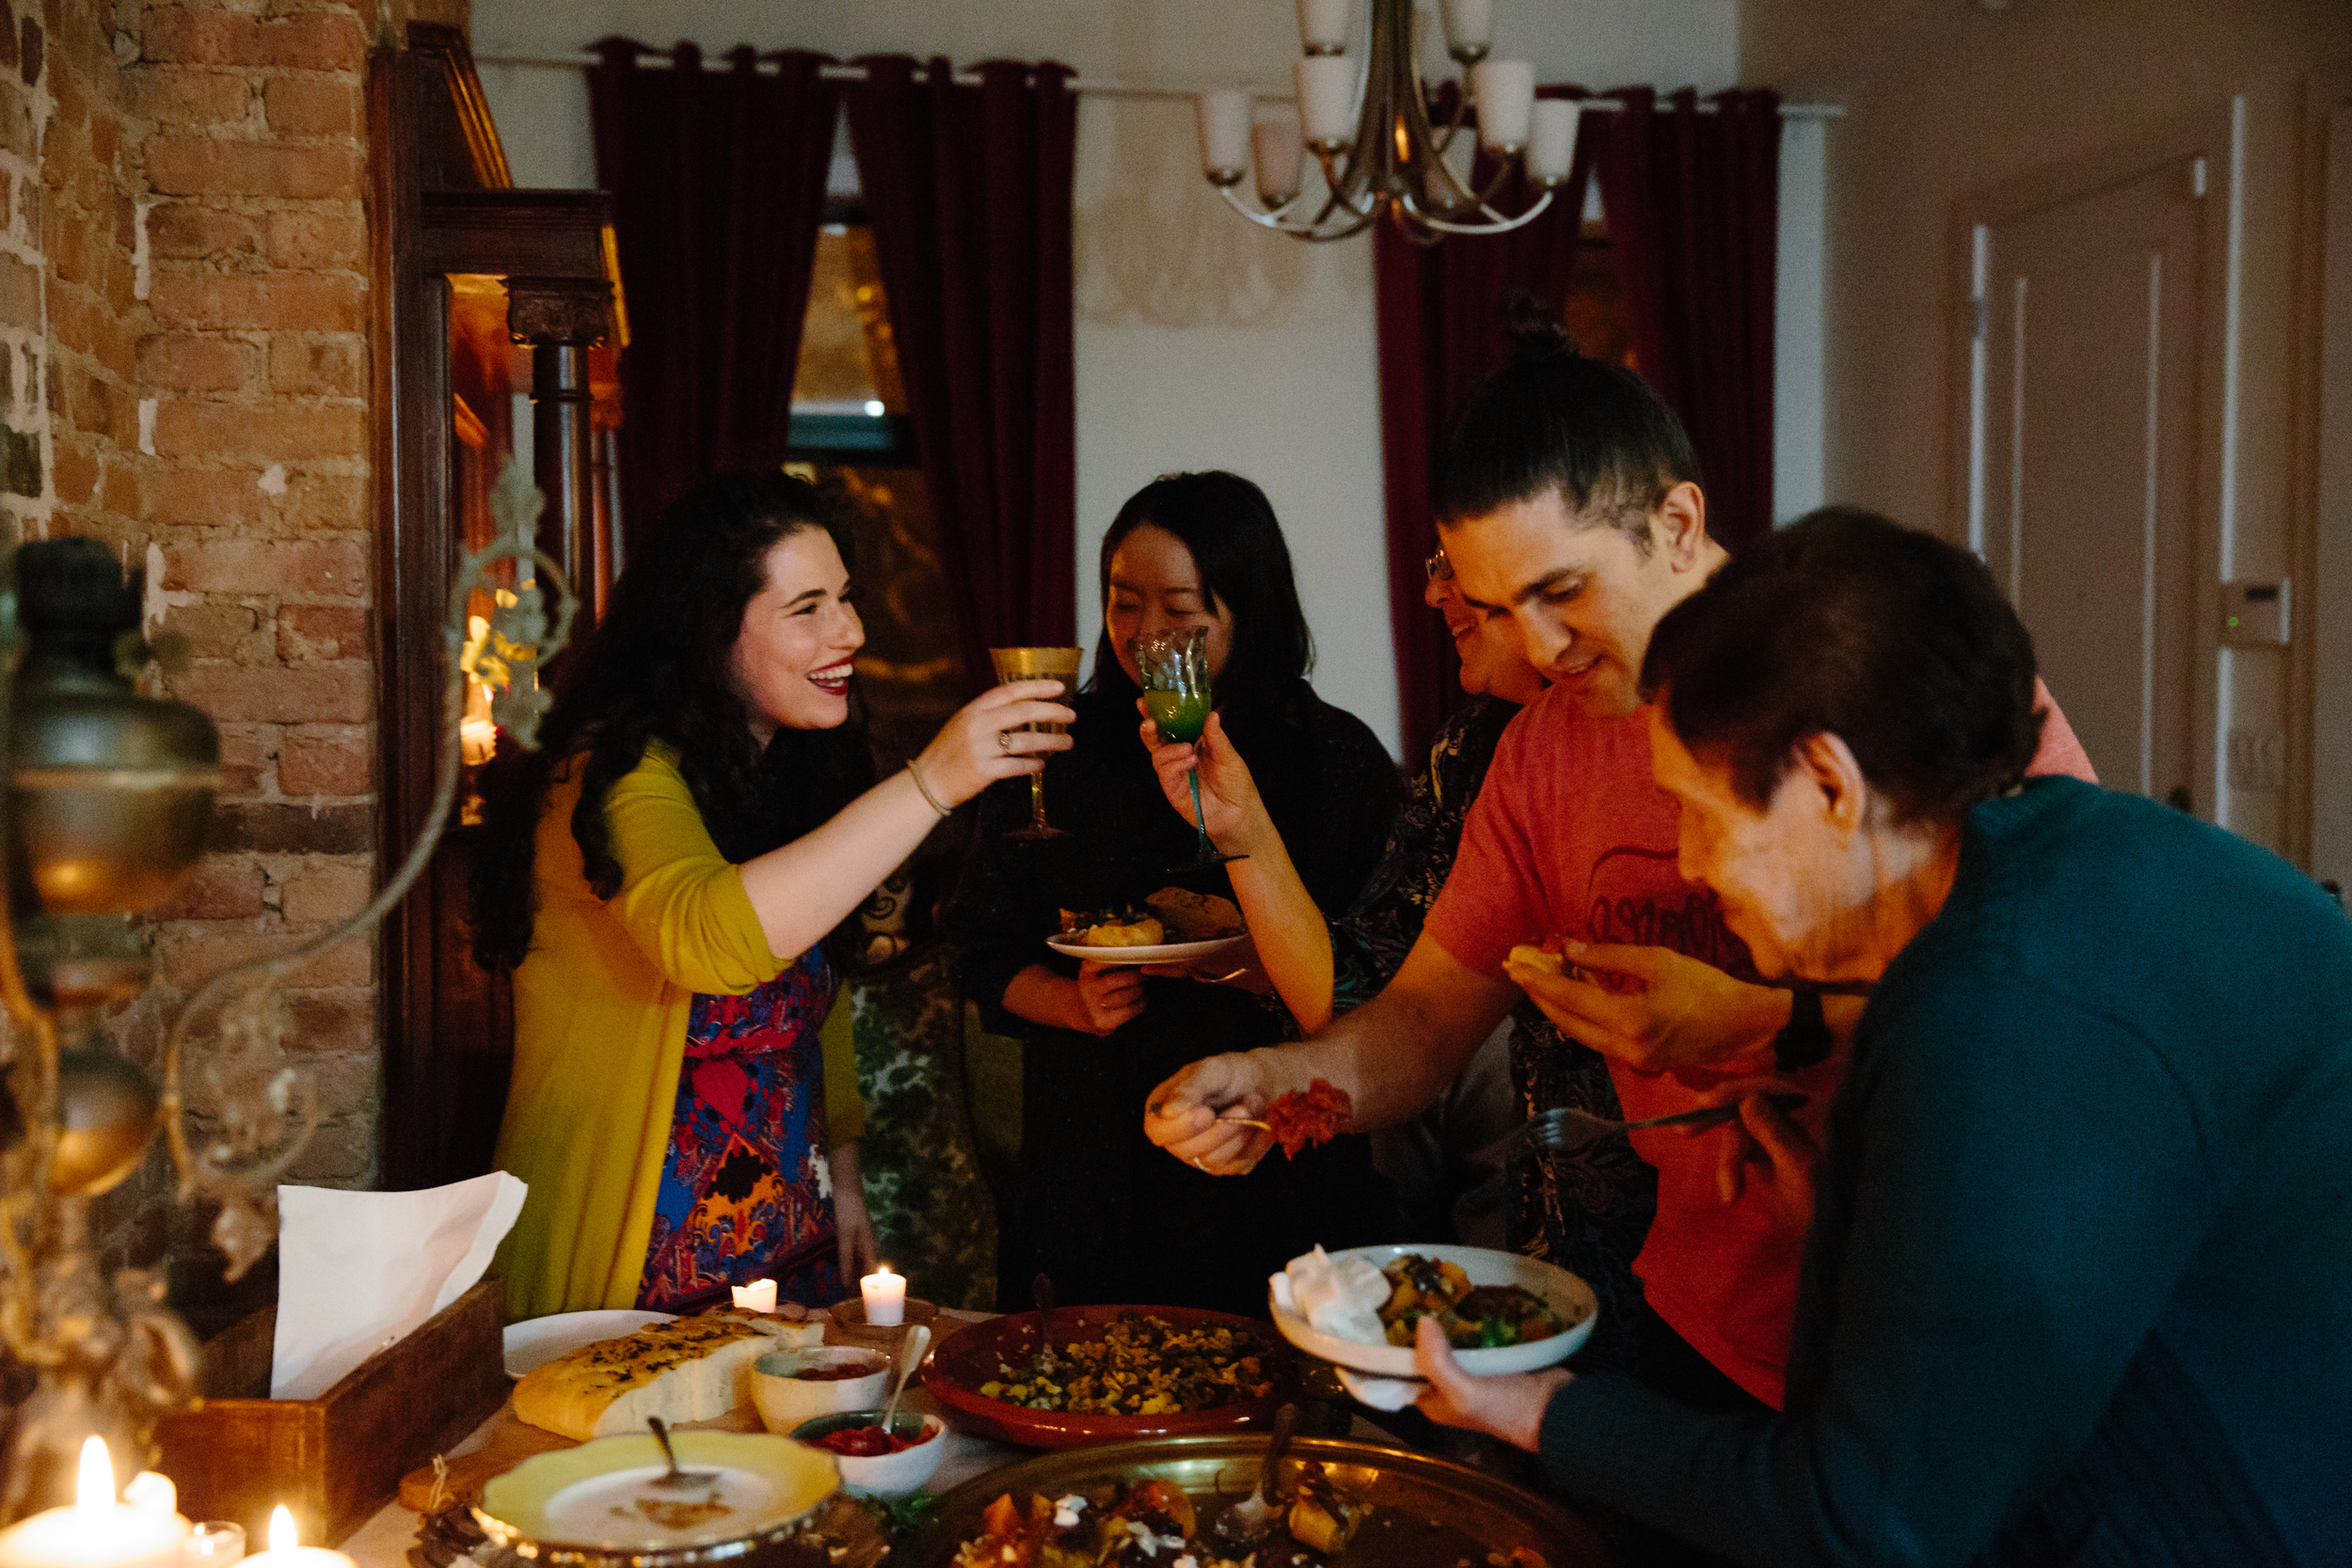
(1637, 896)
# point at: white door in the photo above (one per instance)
(2083, 478)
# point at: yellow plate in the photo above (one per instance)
(597, 1498)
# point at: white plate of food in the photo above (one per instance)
(1171, 927)
(1155, 953)
(1481, 1287)
(537, 1340)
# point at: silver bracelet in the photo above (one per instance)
(926, 790)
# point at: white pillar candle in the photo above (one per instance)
(1551, 142)
(758, 1297)
(1280, 155)
(1323, 26)
(1469, 25)
(1504, 91)
(286, 1550)
(95, 1531)
(1326, 99)
(885, 1295)
(1224, 123)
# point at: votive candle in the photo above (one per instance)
(758, 1297)
(95, 1531)
(885, 1295)
(286, 1550)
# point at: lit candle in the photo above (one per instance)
(886, 1296)
(96, 1530)
(1506, 93)
(285, 1550)
(1280, 155)
(1224, 122)
(758, 1297)
(1323, 26)
(1551, 144)
(1327, 101)
(1469, 25)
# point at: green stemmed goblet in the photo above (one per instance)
(1175, 669)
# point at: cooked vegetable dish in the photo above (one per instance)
(1474, 1317)
(1139, 1367)
(1157, 1524)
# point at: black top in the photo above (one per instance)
(1108, 1215)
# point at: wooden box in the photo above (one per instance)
(337, 1459)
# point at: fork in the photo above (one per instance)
(1565, 1128)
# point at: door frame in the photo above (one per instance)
(2328, 616)
(2206, 135)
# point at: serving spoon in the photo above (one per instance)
(1251, 1518)
(674, 1478)
(910, 1356)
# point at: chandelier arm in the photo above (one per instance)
(1501, 226)
(1270, 219)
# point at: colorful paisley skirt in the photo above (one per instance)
(746, 1193)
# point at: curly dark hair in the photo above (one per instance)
(1846, 624)
(658, 669)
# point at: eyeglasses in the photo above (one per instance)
(1439, 568)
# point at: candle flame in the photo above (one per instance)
(281, 1529)
(94, 1485)
(882, 1268)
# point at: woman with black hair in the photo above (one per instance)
(661, 875)
(1098, 1212)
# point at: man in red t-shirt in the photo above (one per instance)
(1569, 503)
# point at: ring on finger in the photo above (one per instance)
(1004, 741)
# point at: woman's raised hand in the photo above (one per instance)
(987, 740)
(1228, 796)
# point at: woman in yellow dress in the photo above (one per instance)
(660, 878)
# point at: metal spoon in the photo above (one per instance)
(1255, 1515)
(675, 1478)
(910, 1356)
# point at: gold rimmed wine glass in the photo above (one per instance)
(1040, 664)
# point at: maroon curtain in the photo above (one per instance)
(1439, 334)
(968, 189)
(1694, 210)
(718, 179)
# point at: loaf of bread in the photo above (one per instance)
(690, 1369)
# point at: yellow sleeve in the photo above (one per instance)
(845, 1107)
(681, 901)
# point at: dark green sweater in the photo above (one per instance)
(2079, 1283)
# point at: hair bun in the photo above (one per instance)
(1534, 329)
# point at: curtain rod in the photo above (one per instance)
(1093, 86)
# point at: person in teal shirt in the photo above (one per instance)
(2079, 1283)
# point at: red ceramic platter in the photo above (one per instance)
(960, 1364)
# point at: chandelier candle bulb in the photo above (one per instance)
(286, 1551)
(1470, 25)
(1551, 142)
(1223, 120)
(1323, 26)
(95, 1531)
(1504, 91)
(758, 1297)
(1327, 102)
(1279, 157)
(886, 1296)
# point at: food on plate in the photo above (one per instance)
(1303, 1119)
(1474, 1317)
(1153, 1523)
(1111, 929)
(1195, 916)
(1140, 1367)
(678, 1514)
(688, 1370)
(872, 1442)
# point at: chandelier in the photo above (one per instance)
(1368, 123)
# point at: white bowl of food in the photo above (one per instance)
(1541, 1312)
(790, 1386)
(871, 1461)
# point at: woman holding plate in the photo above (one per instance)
(1099, 1212)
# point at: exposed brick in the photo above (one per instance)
(316, 759)
(194, 954)
(325, 1020)
(310, 634)
(328, 891)
(324, 501)
(73, 469)
(270, 433)
(313, 40)
(314, 240)
(19, 293)
(187, 230)
(310, 106)
(329, 366)
(209, 166)
(267, 566)
(316, 40)
(182, 362)
(218, 889)
(290, 828)
(176, 95)
(286, 302)
(219, 629)
(318, 692)
(244, 758)
(340, 1154)
(205, 496)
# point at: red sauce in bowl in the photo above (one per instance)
(841, 1374)
(868, 1441)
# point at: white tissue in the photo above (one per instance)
(357, 1271)
(1382, 1393)
(1340, 1298)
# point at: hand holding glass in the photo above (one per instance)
(1040, 664)
(1175, 669)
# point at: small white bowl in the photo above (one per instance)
(785, 1400)
(883, 1475)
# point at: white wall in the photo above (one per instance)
(1201, 343)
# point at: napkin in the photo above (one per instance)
(1340, 1297)
(355, 1271)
